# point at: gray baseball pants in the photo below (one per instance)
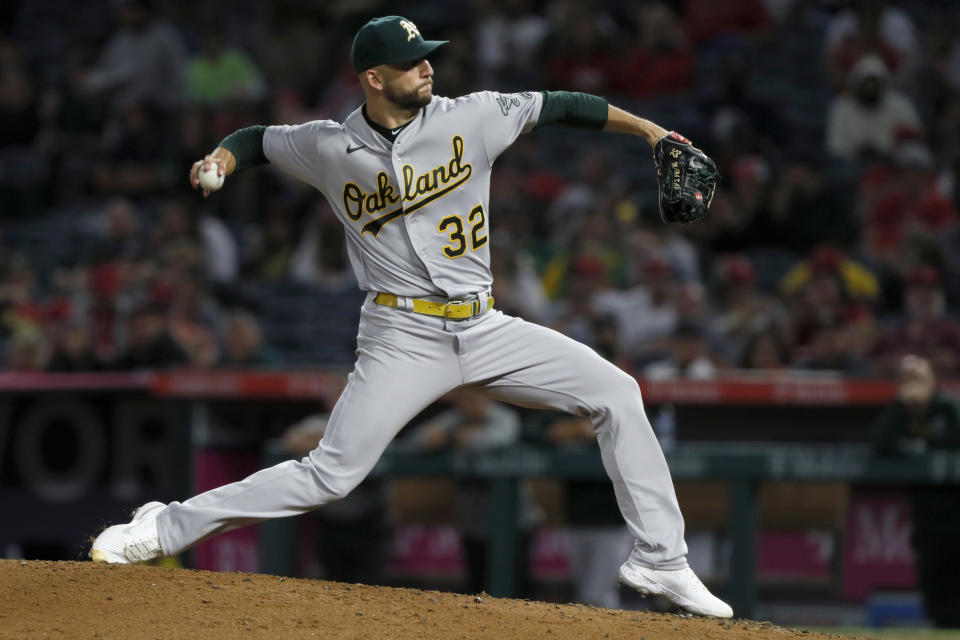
(405, 361)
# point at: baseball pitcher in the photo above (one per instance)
(408, 174)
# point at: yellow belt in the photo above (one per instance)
(455, 310)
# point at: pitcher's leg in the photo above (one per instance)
(529, 365)
(387, 388)
(532, 366)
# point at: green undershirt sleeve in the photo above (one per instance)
(573, 109)
(247, 146)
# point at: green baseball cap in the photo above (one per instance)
(389, 40)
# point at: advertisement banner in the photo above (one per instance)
(877, 554)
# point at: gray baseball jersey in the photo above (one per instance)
(417, 221)
(416, 212)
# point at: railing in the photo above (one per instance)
(768, 390)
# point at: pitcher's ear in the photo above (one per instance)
(373, 77)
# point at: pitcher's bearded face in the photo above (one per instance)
(409, 98)
(411, 84)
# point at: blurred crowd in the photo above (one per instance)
(835, 124)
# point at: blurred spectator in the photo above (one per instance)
(742, 310)
(137, 157)
(197, 341)
(903, 208)
(321, 256)
(531, 183)
(651, 239)
(175, 239)
(220, 251)
(581, 199)
(455, 66)
(766, 349)
(951, 148)
(579, 51)
(522, 210)
(192, 317)
(270, 248)
(221, 74)
(476, 423)
(508, 34)
(516, 285)
(196, 240)
(103, 284)
(73, 123)
(117, 233)
(947, 57)
(692, 304)
(872, 27)
(741, 119)
(662, 59)
(687, 356)
(870, 117)
(839, 344)
(19, 108)
(243, 346)
(741, 216)
(925, 328)
(340, 95)
(787, 11)
(194, 138)
(73, 117)
(362, 515)
(142, 62)
(279, 45)
(18, 283)
(947, 241)
(73, 348)
(748, 220)
(23, 167)
(832, 323)
(923, 419)
(27, 351)
(935, 80)
(148, 342)
(706, 20)
(599, 540)
(646, 313)
(587, 284)
(854, 279)
(807, 210)
(606, 340)
(598, 240)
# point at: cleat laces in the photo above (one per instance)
(140, 550)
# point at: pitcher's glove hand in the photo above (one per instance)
(686, 179)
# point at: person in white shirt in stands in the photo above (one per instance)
(871, 117)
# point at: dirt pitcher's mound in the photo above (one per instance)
(41, 599)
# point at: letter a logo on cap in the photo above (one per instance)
(412, 31)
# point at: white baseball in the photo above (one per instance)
(210, 180)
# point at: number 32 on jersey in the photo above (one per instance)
(454, 227)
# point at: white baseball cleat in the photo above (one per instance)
(680, 586)
(133, 542)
